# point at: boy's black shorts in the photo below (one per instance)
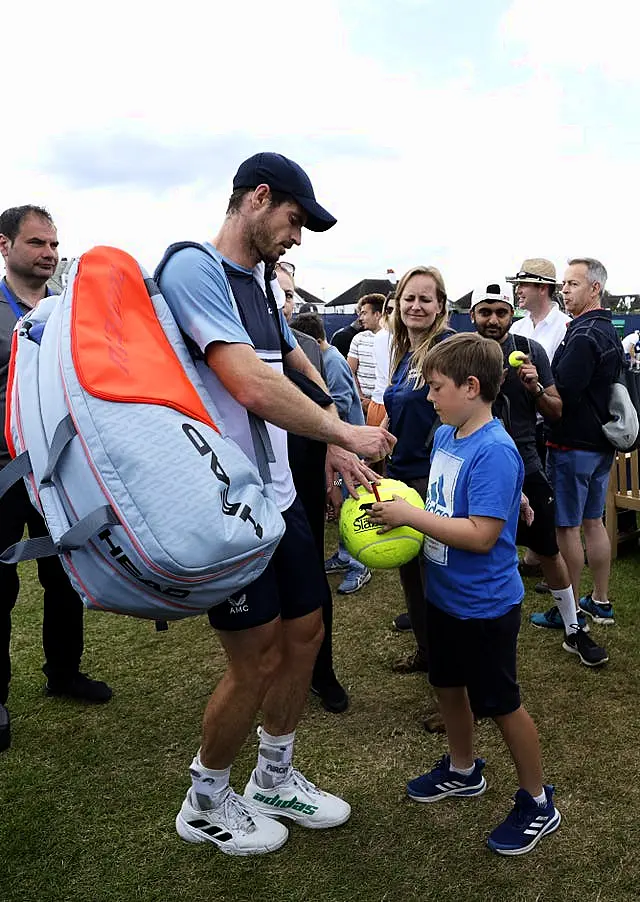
(540, 537)
(478, 654)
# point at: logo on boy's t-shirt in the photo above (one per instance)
(443, 476)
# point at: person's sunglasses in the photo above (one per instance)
(287, 267)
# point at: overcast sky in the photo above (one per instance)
(467, 134)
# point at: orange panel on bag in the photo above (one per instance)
(119, 348)
(10, 377)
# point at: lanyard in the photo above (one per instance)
(11, 300)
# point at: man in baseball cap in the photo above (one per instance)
(286, 177)
(272, 630)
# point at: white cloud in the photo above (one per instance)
(576, 35)
(129, 126)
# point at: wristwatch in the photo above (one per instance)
(540, 390)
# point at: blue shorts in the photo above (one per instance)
(579, 480)
(293, 584)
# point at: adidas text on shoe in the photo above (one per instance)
(525, 825)
(591, 654)
(551, 620)
(234, 826)
(299, 800)
(598, 611)
(354, 580)
(441, 782)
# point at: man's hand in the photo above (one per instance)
(390, 514)
(334, 501)
(526, 511)
(528, 375)
(370, 442)
(354, 471)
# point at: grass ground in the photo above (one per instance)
(88, 796)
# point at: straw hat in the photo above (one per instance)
(536, 271)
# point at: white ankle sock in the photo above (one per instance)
(597, 601)
(274, 759)
(208, 785)
(541, 800)
(566, 603)
(465, 771)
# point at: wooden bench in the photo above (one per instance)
(623, 494)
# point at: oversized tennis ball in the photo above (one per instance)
(360, 536)
(516, 358)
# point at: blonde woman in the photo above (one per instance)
(419, 321)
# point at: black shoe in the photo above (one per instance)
(332, 695)
(579, 643)
(529, 569)
(5, 729)
(412, 663)
(80, 687)
(542, 588)
(401, 623)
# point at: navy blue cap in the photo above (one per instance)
(282, 174)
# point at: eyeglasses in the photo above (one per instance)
(523, 274)
(287, 267)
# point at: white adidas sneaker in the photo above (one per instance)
(235, 826)
(299, 800)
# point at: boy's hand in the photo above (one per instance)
(526, 511)
(390, 514)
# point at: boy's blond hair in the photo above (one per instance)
(468, 354)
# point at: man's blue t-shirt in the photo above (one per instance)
(195, 286)
(342, 386)
(478, 475)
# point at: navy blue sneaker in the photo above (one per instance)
(442, 782)
(336, 564)
(525, 825)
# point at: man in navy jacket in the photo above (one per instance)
(584, 367)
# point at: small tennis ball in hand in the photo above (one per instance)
(516, 358)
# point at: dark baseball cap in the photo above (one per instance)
(282, 174)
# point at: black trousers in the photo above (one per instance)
(307, 459)
(412, 580)
(62, 632)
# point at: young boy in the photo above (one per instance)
(474, 589)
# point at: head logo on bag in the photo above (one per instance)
(154, 511)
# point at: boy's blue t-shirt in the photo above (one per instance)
(479, 475)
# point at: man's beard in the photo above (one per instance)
(262, 241)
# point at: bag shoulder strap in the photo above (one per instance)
(259, 434)
(11, 301)
(522, 343)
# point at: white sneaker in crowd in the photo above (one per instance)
(235, 826)
(299, 800)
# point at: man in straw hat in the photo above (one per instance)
(535, 285)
